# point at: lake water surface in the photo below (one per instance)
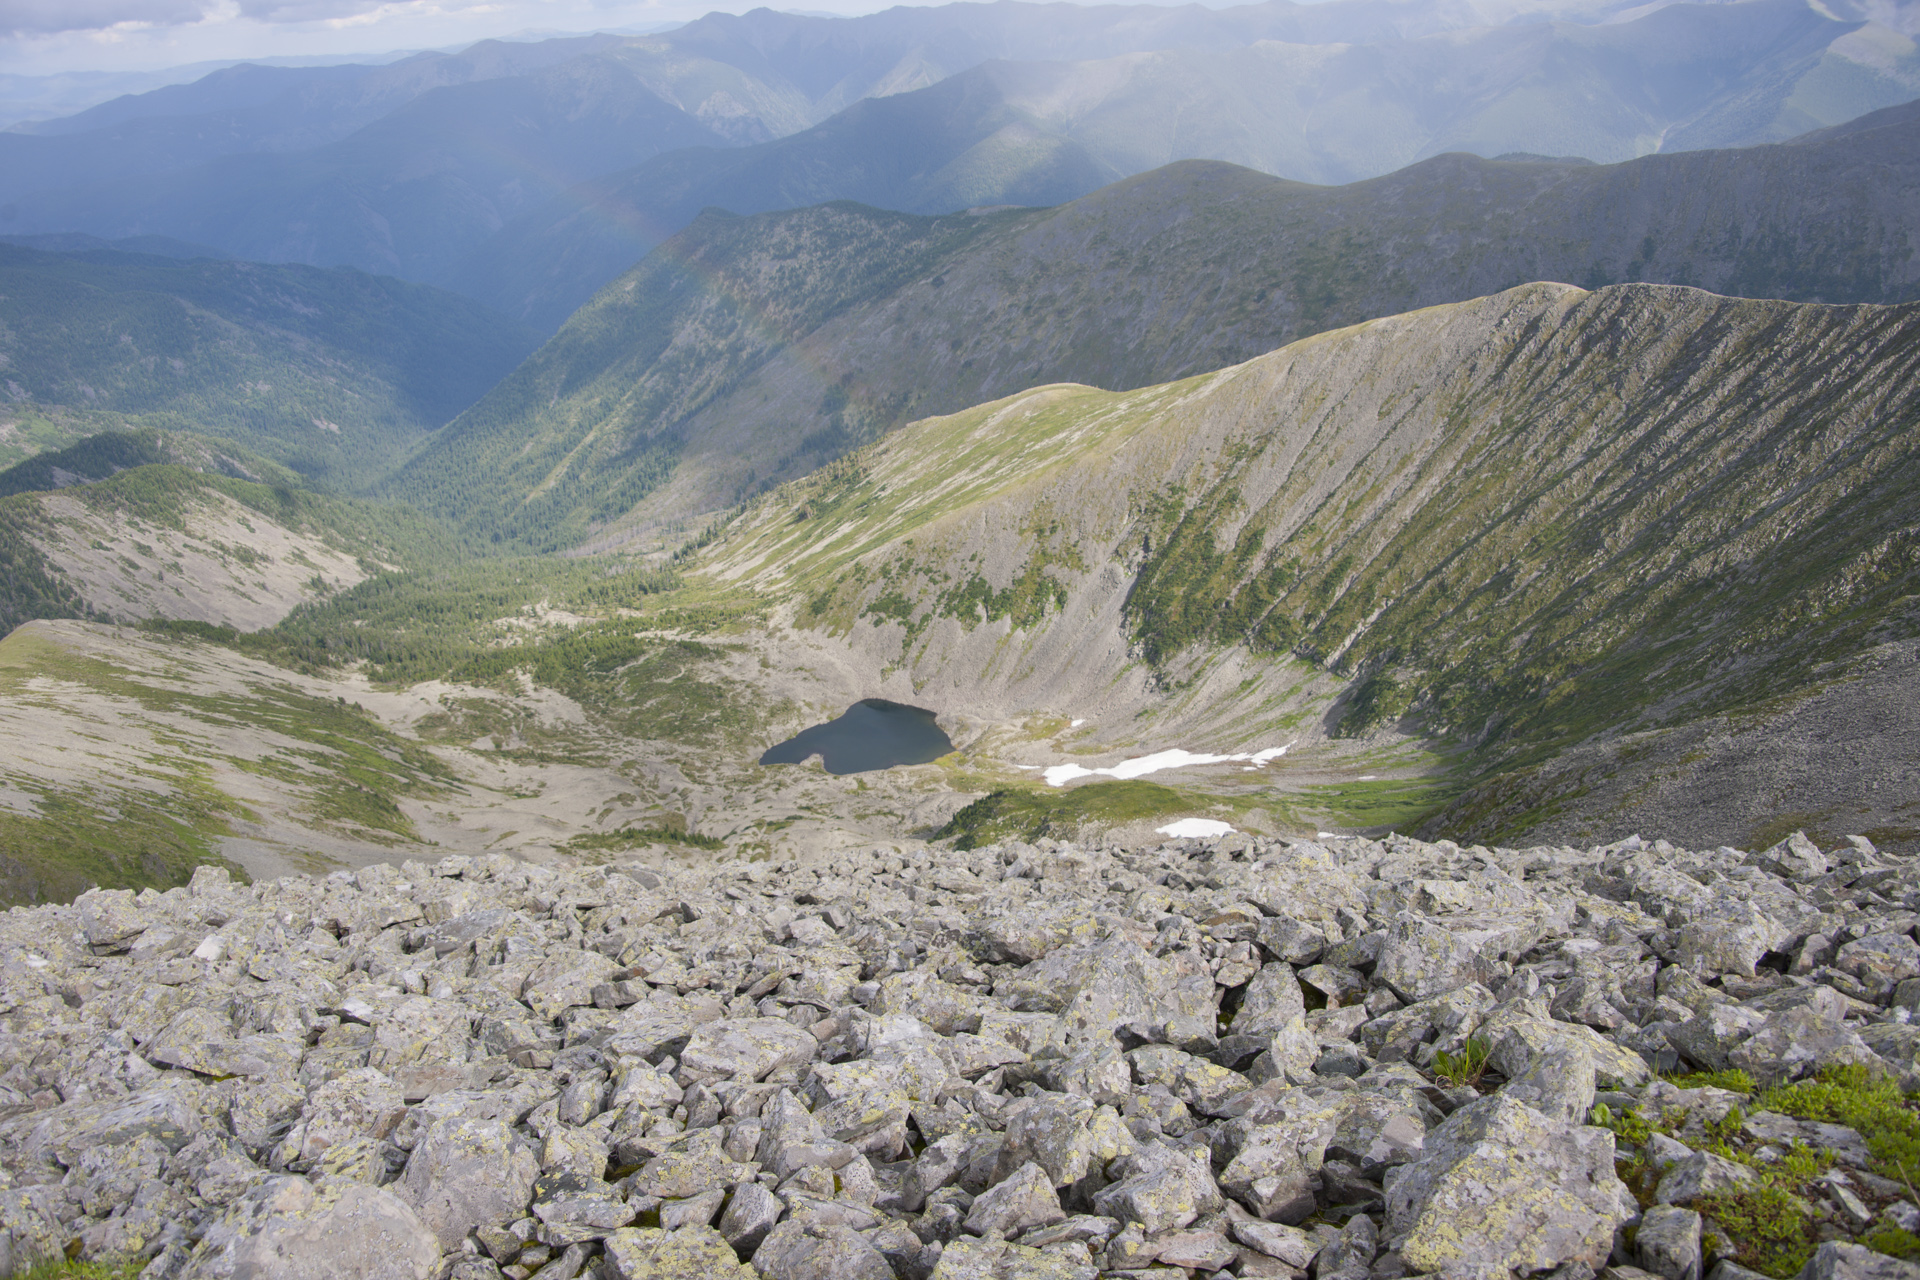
(873, 734)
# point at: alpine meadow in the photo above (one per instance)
(981, 641)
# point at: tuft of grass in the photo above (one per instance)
(1465, 1067)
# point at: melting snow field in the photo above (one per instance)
(1061, 774)
(1192, 828)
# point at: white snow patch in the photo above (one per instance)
(1076, 724)
(1061, 774)
(1188, 828)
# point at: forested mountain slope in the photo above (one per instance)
(331, 372)
(748, 350)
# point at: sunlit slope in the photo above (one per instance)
(131, 759)
(1518, 522)
(749, 350)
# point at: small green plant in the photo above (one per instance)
(69, 1269)
(1465, 1067)
(1628, 1125)
(1771, 1228)
(1864, 1100)
(1895, 1242)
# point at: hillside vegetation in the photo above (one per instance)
(333, 373)
(1541, 519)
(746, 351)
(162, 541)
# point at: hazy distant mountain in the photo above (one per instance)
(748, 350)
(1682, 77)
(332, 372)
(554, 151)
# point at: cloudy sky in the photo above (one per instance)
(43, 37)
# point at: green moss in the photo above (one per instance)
(1023, 814)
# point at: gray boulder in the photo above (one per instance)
(287, 1229)
(466, 1174)
(813, 1249)
(1502, 1186)
(1667, 1242)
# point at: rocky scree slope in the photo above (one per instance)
(1226, 1058)
(750, 350)
(1540, 519)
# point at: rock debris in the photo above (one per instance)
(1345, 1058)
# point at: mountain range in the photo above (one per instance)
(748, 350)
(528, 174)
(1479, 496)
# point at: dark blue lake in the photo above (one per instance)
(873, 734)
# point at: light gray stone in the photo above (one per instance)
(287, 1229)
(1667, 1242)
(1023, 1200)
(466, 1174)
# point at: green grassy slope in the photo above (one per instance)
(1525, 522)
(333, 373)
(99, 457)
(746, 350)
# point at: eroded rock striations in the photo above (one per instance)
(1227, 1057)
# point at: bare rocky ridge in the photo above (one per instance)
(1210, 1058)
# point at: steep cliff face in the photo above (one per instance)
(750, 350)
(1526, 522)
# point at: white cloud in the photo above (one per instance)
(49, 17)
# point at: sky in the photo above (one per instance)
(48, 37)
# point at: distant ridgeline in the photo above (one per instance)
(333, 373)
(746, 351)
